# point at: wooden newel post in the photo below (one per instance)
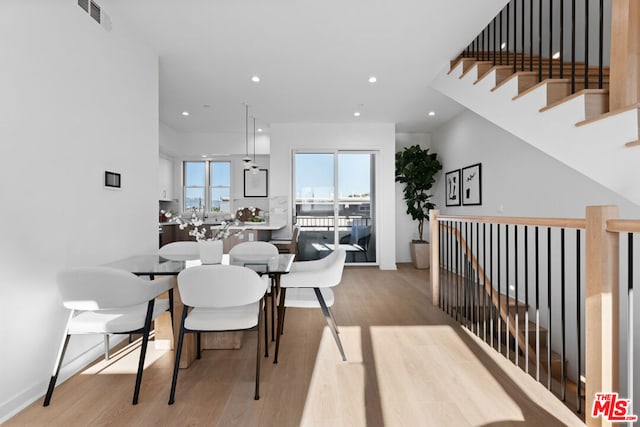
(601, 308)
(434, 223)
(624, 89)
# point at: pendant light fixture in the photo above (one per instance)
(246, 160)
(254, 166)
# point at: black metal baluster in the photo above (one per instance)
(561, 39)
(516, 347)
(537, 262)
(549, 308)
(484, 280)
(526, 298)
(471, 280)
(508, 45)
(586, 44)
(539, 40)
(441, 267)
(499, 314)
(578, 322)
(550, 39)
(450, 272)
(600, 46)
(515, 36)
(458, 247)
(573, 46)
(501, 38)
(530, 35)
(492, 312)
(482, 45)
(494, 40)
(630, 364)
(507, 289)
(466, 276)
(563, 374)
(476, 288)
(522, 37)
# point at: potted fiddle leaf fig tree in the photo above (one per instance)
(416, 169)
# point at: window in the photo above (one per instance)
(207, 185)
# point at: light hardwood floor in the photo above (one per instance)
(408, 365)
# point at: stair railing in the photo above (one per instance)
(521, 22)
(495, 269)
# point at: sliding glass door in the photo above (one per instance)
(334, 195)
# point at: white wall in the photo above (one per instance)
(77, 100)
(286, 138)
(407, 228)
(519, 180)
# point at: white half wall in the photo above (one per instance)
(289, 137)
(78, 98)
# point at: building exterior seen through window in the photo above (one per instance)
(206, 186)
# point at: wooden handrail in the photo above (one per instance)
(623, 226)
(577, 223)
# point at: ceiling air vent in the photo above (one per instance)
(91, 8)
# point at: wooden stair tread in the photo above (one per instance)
(478, 63)
(540, 84)
(513, 76)
(494, 68)
(609, 114)
(633, 143)
(575, 95)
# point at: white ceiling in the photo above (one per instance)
(314, 58)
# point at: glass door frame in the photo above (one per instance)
(336, 200)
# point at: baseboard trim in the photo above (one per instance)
(11, 407)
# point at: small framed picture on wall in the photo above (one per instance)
(472, 185)
(452, 188)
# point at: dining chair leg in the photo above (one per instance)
(283, 295)
(56, 367)
(56, 370)
(327, 316)
(333, 320)
(171, 306)
(258, 358)
(273, 310)
(106, 346)
(176, 362)
(143, 350)
(284, 313)
(266, 330)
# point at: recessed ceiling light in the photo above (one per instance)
(255, 79)
(357, 114)
(373, 79)
(432, 113)
(204, 156)
(185, 113)
(503, 45)
(556, 55)
(259, 129)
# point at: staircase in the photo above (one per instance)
(577, 129)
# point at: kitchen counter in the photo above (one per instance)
(271, 225)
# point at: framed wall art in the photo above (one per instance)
(256, 184)
(452, 188)
(472, 185)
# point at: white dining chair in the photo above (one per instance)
(106, 300)
(262, 250)
(180, 250)
(308, 285)
(221, 298)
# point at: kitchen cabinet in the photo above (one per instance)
(165, 179)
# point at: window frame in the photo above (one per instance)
(207, 184)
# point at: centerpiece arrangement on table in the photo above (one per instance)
(211, 248)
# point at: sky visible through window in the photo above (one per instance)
(314, 175)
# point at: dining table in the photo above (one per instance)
(166, 331)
